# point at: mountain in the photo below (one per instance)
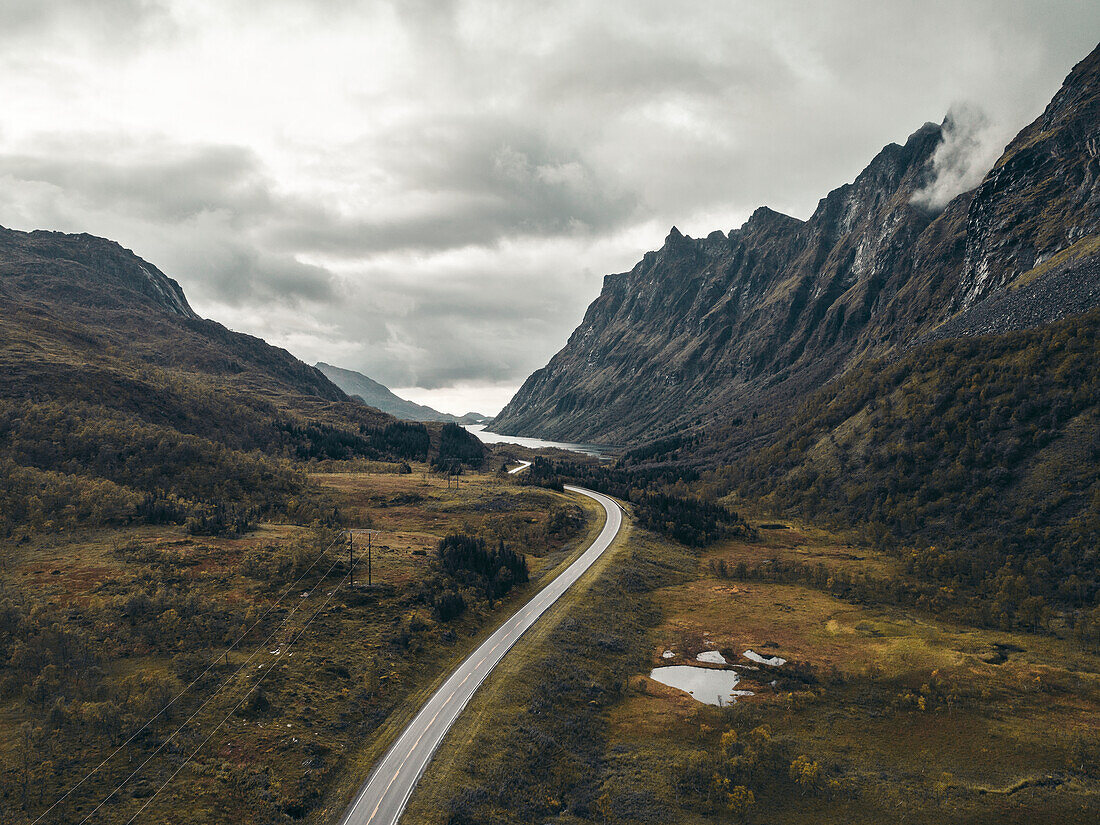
(727, 333)
(118, 403)
(91, 297)
(377, 395)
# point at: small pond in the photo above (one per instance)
(714, 687)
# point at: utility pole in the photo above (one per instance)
(454, 468)
(351, 555)
(370, 572)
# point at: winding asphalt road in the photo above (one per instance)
(383, 797)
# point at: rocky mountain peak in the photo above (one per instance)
(674, 237)
(703, 332)
(764, 218)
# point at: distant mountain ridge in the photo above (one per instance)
(383, 398)
(710, 332)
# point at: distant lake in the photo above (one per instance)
(533, 443)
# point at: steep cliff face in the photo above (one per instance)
(701, 323)
(1042, 197)
(714, 330)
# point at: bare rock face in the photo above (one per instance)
(703, 332)
(1043, 195)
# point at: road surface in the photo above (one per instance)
(383, 797)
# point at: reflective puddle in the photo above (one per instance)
(714, 687)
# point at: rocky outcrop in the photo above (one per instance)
(710, 332)
(1043, 195)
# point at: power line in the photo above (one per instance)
(234, 710)
(194, 682)
(209, 699)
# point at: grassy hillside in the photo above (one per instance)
(118, 404)
(975, 461)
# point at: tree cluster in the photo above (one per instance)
(76, 464)
(467, 559)
(458, 448)
(662, 497)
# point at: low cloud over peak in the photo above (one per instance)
(971, 144)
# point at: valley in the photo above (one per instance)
(879, 711)
(800, 525)
(130, 617)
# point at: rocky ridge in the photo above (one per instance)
(102, 301)
(705, 332)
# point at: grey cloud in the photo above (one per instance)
(100, 23)
(475, 182)
(627, 67)
(156, 179)
(442, 344)
(233, 270)
(483, 320)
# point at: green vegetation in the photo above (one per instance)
(78, 451)
(974, 462)
(458, 448)
(76, 464)
(661, 497)
(469, 562)
(101, 627)
(131, 415)
(880, 714)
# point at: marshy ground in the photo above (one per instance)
(880, 713)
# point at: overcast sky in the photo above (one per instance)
(431, 192)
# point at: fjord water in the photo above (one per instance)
(487, 437)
